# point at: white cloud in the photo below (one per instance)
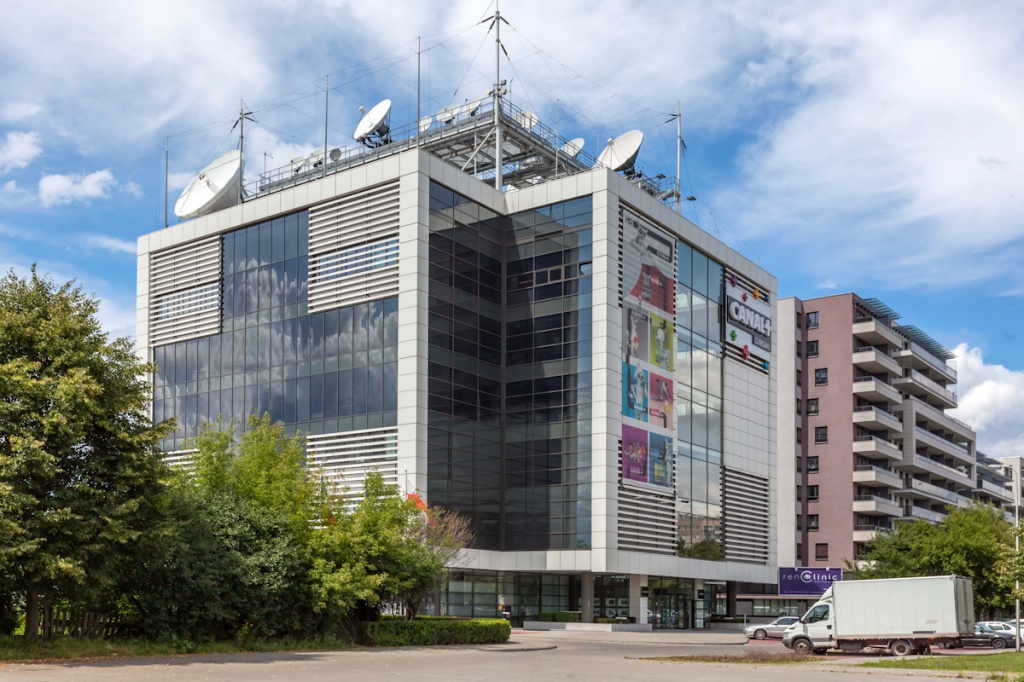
(109, 244)
(19, 150)
(63, 189)
(991, 400)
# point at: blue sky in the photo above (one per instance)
(874, 147)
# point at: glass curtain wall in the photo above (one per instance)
(323, 373)
(509, 317)
(548, 337)
(699, 353)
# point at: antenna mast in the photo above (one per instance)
(327, 92)
(497, 98)
(419, 54)
(242, 116)
(679, 155)
(167, 154)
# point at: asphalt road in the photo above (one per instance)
(532, 657)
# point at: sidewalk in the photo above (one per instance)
(539, 640)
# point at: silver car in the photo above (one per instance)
(775, 629)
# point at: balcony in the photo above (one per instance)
(873, 505)
(875, 419)
(923, 514)
(918, 384)
(866, 532)
(943, 446)
(997, 491)
(920, 490)
(940, 419)
(918, 464)
(876, 333)
(918, 358)
(875, 390)
(876, 477)
(873, 447)
(874, 361)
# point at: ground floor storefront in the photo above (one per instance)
(662, 602)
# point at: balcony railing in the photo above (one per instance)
(932, 462)
(957, 446)
(928, 383)
(932, 360)
(930, 489)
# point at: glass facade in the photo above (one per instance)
(509, 370)
(522, 595)
(698, 373)
(317, 373)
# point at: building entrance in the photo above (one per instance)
(670, 603)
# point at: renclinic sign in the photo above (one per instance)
(804, 582)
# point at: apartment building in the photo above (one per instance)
(864, 437)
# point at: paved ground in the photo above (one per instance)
(530, 656)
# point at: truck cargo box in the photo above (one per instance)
(933, 606)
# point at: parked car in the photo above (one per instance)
(984, 635)
(774, 629)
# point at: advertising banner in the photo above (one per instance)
(648, 352)
(807, 582)
(748, 318)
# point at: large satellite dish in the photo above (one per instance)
(448, 114)
(620, 154)
(217, 186)
(572, 147)
(424, 124)
(374, 129)
(526, 119)
(472, 107)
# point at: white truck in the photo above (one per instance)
(904, 615)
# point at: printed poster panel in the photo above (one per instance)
(648, 264)
(635, 404)
(660, 401)
(634, 454)
(663, 342)
(659, 460)
(635, 325)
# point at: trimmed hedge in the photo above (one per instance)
(433, 631)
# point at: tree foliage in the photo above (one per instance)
(971, 542)
(80, 472)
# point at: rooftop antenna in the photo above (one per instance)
(243, 115)
(496, 93)
(327, 92)
(680, 148)
(419, 126)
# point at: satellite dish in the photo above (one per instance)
(374, 129)
(424, 123)
(526, 119)
(472, 107)
(620, 154)
(316, 159)
(335, 155)
(448, 114)
(572, 147)
(217, 186)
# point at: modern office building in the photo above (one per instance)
(865, 440)
(565, 359)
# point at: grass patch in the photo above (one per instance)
(1004, 663)
(753, 657)
(68, 648)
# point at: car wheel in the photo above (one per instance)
(999, 643)
(802, 646)
(901, 647)
(760, 634)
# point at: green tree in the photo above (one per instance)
(263, 466)
(224, 569)
(971, 542)
(80, 472)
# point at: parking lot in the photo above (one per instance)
(530, 655)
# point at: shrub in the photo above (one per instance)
(546, 616)
(567, 617)
(434, 631)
